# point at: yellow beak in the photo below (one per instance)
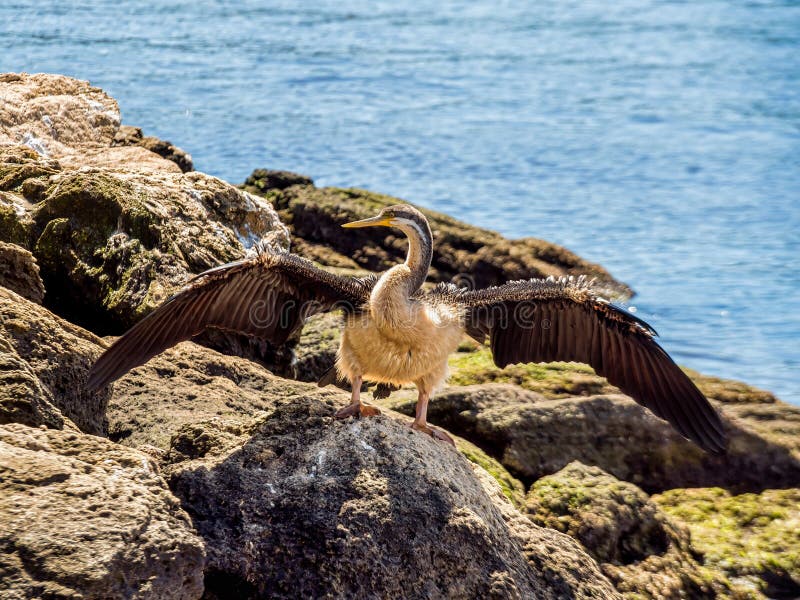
(372, 222)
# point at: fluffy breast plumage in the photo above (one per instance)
(412, 348)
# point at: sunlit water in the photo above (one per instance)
(660, 139)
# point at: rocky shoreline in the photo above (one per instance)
(217, 471)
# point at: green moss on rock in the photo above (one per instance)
(512, 488)
(553, 380)
(640, 549)
(750, 536)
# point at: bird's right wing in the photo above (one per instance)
(544, 320)
(266, 297)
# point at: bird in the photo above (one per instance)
(395, 331)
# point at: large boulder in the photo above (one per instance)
(641, 550)
(115, 228)
(45, 365)
(533, 436)
(750, 537)
(190, 384)
(116, 245)
(470, 255)
(293, 503)
(82, 517)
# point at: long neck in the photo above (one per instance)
(420, 253)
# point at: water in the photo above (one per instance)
(660, 139)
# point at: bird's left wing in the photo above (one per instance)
(544, 320)
(267, 297)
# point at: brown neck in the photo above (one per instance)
(420, 253)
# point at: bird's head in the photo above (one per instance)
(402, 216)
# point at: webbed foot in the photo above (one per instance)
(437, 434)
(356, 410)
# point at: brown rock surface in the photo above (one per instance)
(59, 354)
(20, 273)
(82, 517)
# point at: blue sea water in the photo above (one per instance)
(660, 139)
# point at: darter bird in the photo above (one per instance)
(395, 333)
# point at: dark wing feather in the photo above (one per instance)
(265, 297)
(543, 320)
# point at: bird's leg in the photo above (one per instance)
(356, 408)
(421, 421)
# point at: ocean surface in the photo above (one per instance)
(659, 139)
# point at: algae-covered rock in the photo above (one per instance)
(295, 504)
(115, 245)
(46, 363)
(641, 550)
(82, 517)
(468, 254)
(552, 380)
(533, 436)
(755, 537)
(20, 273)
(115, 228)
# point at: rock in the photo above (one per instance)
(23, 398)
(82, 517)
(115, 229)
(754, 537)
(20, 273)
(45, 365)
(127, 135)
(132, 136)
(474, 365)
(533, 436)
(264, 180)
(113, 246)
(641, 550)
(294, 504)
(169, 151)
(317, 345)
(54, 114)
(190, 383)
(469, 255)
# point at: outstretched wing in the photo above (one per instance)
(266, 297)
(543, 320)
